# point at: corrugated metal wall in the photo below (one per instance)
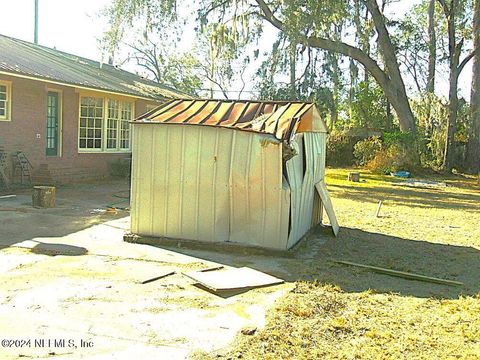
(304, 171)
(210, 184)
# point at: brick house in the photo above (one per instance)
(69, 115)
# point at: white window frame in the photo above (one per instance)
(60, 119)
(8, 108)
(104, 127)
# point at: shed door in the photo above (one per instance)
(52, 124)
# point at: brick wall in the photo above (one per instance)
(27, 132)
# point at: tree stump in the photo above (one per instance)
(43, 196)
(354, 176)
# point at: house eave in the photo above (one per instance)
(80, 86)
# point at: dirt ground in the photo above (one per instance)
(68, 275)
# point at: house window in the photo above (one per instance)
(5, 100)
(125, 126)
(104, 124)
(91, 122)
(112, 124)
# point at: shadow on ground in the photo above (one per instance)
(434, 198)
(78, 207)
(58, 249)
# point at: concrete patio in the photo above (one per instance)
(66, 275)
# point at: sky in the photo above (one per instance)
(68, 25)
(74, 26)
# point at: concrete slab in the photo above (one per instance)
(69, 281)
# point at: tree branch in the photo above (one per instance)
(331, 45)
(466, 60)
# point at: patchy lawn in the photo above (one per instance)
(341, 312)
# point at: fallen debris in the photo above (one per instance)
(249, 330)
(98, 211)
(107, 211)
(7, 196)
(377, 214)
(403, 274)
(168, 273)
(212, 268)
(354, 176)
(401, 174)
(233, 279)
(423, 184)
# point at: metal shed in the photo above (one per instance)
(229, 171)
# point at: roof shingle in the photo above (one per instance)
(18, 57)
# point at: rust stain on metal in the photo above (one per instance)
(279, 119)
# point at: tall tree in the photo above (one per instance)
(432, 64)
(307, 22)
(473, 148)
(432, 48)
(452, 11)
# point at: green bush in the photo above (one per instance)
(382, 163)
(392, 158)
(340, 150)
(397, 151)
(365, 150)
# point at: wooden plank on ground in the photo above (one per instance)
(402, 274)
(233, 279)
(158, 277)
(7, 196)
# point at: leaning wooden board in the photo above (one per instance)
(327, 204)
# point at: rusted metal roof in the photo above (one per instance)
(21, 58)
(280, 119)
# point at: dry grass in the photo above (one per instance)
(443, 215)
(341, 312)
(319, 321)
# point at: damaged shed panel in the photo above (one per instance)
(198, 175)
(209, 184)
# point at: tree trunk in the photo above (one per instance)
(432, 61)
(449, 154)
(398, 94)
(454, 51)
(388, 116)
(473, 146)
(293, 90)
(432, 48)
(336, 88)
(391, 87)
(353, 86)
(366, 47)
